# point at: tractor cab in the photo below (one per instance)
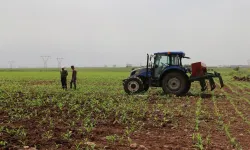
(164, 60)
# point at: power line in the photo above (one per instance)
(59, 61)
(45, 61)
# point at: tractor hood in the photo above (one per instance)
(138, 71)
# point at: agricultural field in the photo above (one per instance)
(35, 113)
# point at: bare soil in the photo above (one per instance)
(177, 133)
(241, 78)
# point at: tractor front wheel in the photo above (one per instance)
(133, 85)
(175, 83)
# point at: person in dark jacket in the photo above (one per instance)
(64, 74)
(73, 79)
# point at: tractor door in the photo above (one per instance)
(160, 63)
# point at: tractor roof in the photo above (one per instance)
(172, 53)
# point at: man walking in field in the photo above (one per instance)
(73, 79)
(64, 74)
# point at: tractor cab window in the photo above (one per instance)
(176, 60)
(161, 62)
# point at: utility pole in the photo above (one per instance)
(59, 61)
(11, 64)
(45, 61)
(248, 62)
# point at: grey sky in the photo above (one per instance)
(98, 32)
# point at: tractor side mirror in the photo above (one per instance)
(187, 57)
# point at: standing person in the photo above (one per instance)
(73, 79)
(64, 74)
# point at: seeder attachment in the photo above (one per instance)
(209, 77)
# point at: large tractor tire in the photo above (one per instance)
(145, 87)
(188, 87)
(133, 86)
(175, 83)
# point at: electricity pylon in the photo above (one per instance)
(59, 61)
(11, 64)
(45, 61)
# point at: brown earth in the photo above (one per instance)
(241, 78)
(176, 133)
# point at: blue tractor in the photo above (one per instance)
(165, 69)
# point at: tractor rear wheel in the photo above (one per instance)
(133, 85)
(145, 87)
(188, 87)
(175, 83)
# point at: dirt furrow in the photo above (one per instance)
(213, 135)
(176, 135)
(236, 126)
(241, 104)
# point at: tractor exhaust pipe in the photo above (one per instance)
(147, 67)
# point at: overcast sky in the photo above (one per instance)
(99, 32)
